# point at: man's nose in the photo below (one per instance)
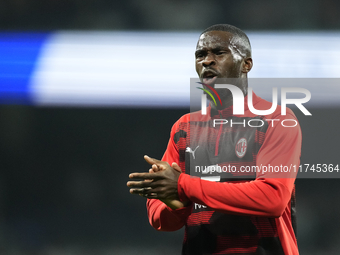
(208, 60)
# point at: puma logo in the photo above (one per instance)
(188, 149)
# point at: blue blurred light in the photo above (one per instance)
(148, 69)
(18, 56)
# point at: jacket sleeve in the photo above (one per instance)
(162, 217)
(269, 194)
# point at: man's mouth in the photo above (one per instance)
(209, 78)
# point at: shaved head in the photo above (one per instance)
(239, 40)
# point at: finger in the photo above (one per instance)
(141, 191)
(151, 172)
(176, 167)
(147, 196)
(159, 165)
(156, 192)
(151, 196)
(158, 168)
(137, 192)
(145, 176)
(154, 168)
(141, 184)
(152, 161)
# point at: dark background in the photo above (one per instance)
(168, 14)
(63, 171)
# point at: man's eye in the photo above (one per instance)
(220, 52)
(199, 55)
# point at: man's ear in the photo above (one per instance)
(247, 65)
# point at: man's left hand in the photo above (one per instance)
(159, 185)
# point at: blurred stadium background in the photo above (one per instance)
(88, 87)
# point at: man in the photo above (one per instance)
(252, 214)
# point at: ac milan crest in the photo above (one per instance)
(241, 147)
